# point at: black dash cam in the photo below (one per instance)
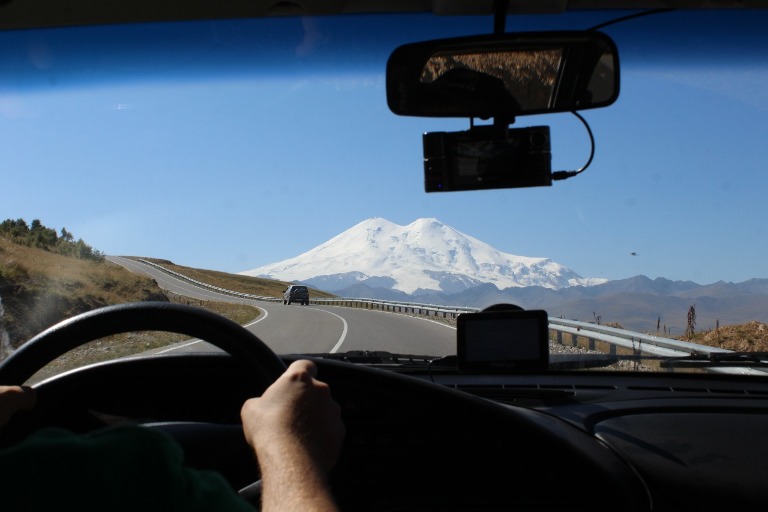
(503, 341)
(487, 158)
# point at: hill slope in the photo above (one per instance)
(39, 288)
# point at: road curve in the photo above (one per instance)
(300, 329)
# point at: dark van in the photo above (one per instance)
(296, 293)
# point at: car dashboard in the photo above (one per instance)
(420, 439)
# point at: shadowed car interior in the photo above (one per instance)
(519, 408)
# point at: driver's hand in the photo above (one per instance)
(14, 399)
(296, 414)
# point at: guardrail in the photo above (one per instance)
(574, 333)
(414, 308)
(206, 285)
(590, 336)
(629, 340)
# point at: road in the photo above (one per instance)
(299, 329)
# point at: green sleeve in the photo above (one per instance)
(115, 469)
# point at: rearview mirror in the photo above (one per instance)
(503, 76)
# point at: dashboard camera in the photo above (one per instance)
(503, 341)
(487, 157)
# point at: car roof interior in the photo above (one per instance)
(20, 14)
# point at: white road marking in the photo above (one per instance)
(343, 331)
(170, 285)
(179, 346)
(264, 314)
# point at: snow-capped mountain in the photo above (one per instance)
(423, 256)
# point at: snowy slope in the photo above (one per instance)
(424, 255)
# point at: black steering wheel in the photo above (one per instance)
(262, 364)
(227, 335)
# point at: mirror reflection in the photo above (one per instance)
(530, 74)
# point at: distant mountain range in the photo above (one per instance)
(430, 262)
(637, 303)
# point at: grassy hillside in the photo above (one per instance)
(39, 288)
(235, 282)
(747, 337)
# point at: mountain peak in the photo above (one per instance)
(424, 256)
(428, 222)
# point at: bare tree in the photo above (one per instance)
(691, 321)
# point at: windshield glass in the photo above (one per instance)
(143, 159)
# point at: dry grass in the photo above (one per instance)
(40, 288)
(42, 269)
(235, 282)
(748, 337)
(526, 75)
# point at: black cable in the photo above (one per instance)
(630, 17)
(561, 175)
(429, 369)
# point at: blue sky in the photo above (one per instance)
(245, 169)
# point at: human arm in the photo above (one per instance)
(295, 428)
(14, 399)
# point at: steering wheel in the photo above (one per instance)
(142, 316)
(263, 365)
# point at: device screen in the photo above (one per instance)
(504, 339)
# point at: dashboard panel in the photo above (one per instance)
(425, 440)
(454, 441)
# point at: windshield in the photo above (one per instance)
(241, 156)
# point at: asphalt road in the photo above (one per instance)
(300, 329)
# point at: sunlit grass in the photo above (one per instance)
(234, 282)
(40, 288)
